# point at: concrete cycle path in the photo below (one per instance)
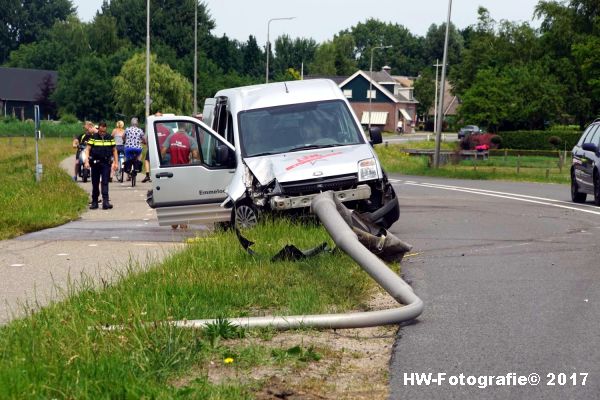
(36, 268)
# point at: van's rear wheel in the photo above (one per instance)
(245, 215)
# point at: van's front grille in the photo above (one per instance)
(340, 182)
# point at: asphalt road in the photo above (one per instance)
(510, 277)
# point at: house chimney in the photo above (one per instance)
(386, 68)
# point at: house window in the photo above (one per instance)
(371, 94)
(348, 93)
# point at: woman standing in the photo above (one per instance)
(119, 135)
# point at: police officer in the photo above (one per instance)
(100, 148)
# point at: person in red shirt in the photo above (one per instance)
(162, 132)
(182, 149)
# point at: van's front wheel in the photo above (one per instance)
(245, 215)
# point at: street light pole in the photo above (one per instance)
(437, 64)
(196, 58)
(371, 82)
(268, 46)
(440, 109)
(147, 101)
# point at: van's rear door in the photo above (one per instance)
(190, 191)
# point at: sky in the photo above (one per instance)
(322, 19)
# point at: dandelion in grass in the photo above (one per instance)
(228, 360)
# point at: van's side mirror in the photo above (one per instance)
(225, 156)
(375, 134)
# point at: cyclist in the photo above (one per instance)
(80, 142)
(134, 138)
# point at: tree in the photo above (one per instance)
(486, 103)
(433, 45)
(65, 42)
(292, 53)
(405, 56)
(172, 22)
(514, 97)
(425, 92)
(102, 35)
(324, 61)
(84, 88)
(344, 46)
(290, 74)
(25, 22)
(169, 90)
(252, 57)
(226, 53)
(334, 57)
(44, 97)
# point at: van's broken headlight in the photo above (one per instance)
(367, 170)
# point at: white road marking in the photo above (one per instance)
(62, 254)
(17, 265)
(505, 195)
(92, 245)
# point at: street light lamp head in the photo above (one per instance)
(268, 46)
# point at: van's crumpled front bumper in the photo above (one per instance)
(280, 203)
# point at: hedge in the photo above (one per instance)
(538, 140)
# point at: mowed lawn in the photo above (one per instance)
(26, 205)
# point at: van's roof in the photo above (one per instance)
(280, 93)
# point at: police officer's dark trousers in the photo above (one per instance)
(100, 169)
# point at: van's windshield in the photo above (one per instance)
(297, 127)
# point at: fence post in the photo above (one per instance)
(518, 164)
(561, 161)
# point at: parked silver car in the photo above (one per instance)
(272, 148)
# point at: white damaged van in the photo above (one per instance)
(266, 148)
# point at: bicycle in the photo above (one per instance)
(121, 167)
(133, 167)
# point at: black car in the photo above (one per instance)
(467, 130)
(585, 169)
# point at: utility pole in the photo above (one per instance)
(147, 58)
(436, 65)
(440, 109)
(196, 58)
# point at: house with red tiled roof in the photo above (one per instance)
(392, 104)
(382, 99)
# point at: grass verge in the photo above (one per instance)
(28, 206)
(511, 168)
(54, 354)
